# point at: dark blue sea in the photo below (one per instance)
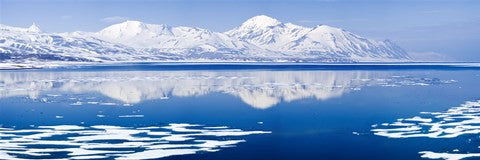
(241, 112)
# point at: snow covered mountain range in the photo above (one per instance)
(260, 38)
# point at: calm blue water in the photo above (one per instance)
(257, 113)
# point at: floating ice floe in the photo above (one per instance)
(456, 121)
(116, 142)
(108, 104)
(78, 103)
(448, 156)
(92, 102)
(131, 116)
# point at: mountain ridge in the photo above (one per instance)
(260, 38)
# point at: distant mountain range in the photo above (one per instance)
(259, 39)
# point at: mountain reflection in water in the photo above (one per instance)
(259, 89)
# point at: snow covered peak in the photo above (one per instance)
(291, 25)
(267, 32)
(34, 28)
(260, 38)
(127, 28)
(325, 29)
(261, 21)
(132, 24)
(167, 38)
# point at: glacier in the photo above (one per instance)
(259, 39)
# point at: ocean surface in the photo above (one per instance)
(241, 112)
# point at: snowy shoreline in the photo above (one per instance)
(46, 65)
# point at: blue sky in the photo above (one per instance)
(449, 27)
